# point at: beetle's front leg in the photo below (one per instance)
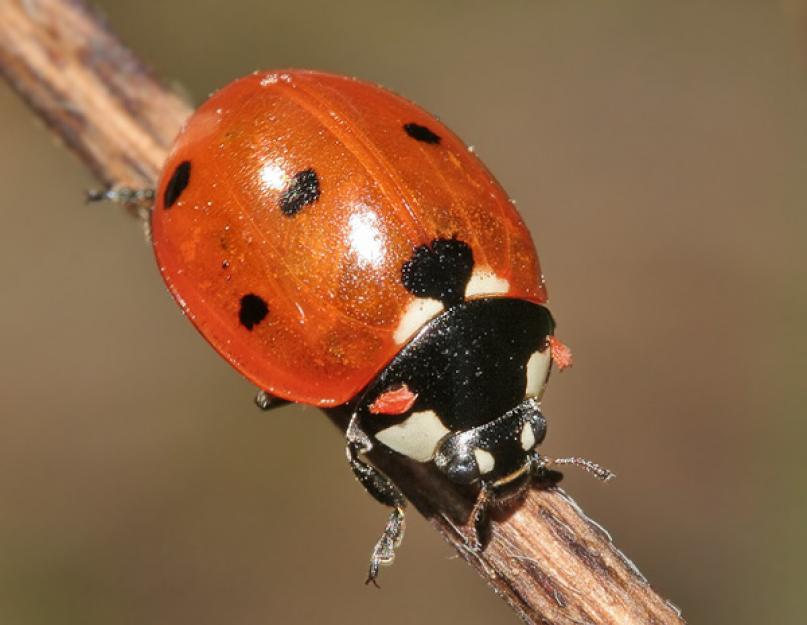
(478, 519)
(383, 490)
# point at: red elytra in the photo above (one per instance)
(286, 210)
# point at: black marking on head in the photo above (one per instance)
(440, 270)
(253, 310)
(421, 133)
(303, 190)
(177, 184)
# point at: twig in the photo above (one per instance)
(544, 556)
(93, 92)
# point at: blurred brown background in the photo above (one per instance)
(657, 151)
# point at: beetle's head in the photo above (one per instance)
(501, 452)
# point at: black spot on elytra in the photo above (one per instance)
(253, 310)
(303, 190)
(421, 133)
(176, 184)
(440, 270)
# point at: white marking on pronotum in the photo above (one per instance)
(527, 437)
(537, 369)
(419, 311)
(484, 460)
(417, 437)
(485, 282)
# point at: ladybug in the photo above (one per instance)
(340, 246)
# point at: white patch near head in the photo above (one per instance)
(537, 370)
(419, 311)
(527, 437)
(417, 437)
(485, 282)
(484, 460)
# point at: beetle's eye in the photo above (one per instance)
(538, 372)
(461, 469)
(457, 461)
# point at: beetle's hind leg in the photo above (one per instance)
(383, 490)
(137, 202)
(266, 401)
(127, 196)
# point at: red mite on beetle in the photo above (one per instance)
(340, 246)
